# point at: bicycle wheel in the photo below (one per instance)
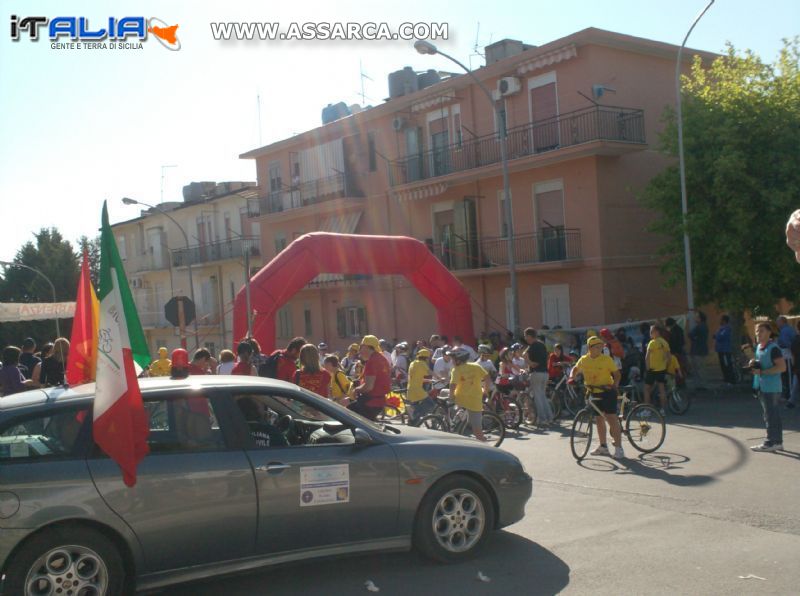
(512, 415)
(434, 422)
(645, 428)
(679, 401)
(555, 403)
(493, 429)
(581, 437)
(573, 399)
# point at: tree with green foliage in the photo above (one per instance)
(92, 247)
(56, 259)
(742, 151)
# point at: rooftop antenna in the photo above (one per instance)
(363, 76)
(163, 175)
(475, 51)
(258, 109)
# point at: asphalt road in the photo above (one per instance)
(704, 515)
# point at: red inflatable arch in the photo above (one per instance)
(321, 252)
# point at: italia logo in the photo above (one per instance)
(128, 30)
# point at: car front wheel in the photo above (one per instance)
(453, 519)
(66, 561)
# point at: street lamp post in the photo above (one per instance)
(47, 279)
(129, 201)
(427, 48)
(687, 253)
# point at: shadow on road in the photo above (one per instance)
(512, 563)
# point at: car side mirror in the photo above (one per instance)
(362, 437)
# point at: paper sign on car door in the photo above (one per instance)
(323, 485)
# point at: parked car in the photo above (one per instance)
(242, 473)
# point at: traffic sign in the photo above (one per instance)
(171, 310)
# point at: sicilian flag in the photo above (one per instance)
(82, 359)
(120, 421)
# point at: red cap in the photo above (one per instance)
(606, 333)
(180, 358)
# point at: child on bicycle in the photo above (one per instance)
(419, 375)
(602, 376)
(467, 384)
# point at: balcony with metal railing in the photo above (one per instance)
(303, 194)
(547, 245)
(222, 250)
(597, 123)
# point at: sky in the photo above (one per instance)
(79, 126)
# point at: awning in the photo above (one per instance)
(345, 223)
(342, 224)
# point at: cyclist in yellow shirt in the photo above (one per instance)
(419, 375)
(601, 373)
(467, 384)
(656, 361)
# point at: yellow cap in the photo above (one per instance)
(593, 341)
(352, 347)
(423, 353)
(372, 342)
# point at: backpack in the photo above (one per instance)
(269, 366)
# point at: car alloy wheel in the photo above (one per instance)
(68, 570)
(459, 520)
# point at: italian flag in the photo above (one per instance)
(120, 421)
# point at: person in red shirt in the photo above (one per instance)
(375, 381)
(243, 365)
(287, 359)
(200, 362)
(311, 376)
(556, 362)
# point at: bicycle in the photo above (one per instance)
(531, 414)
(455, 420)
(569, 397)
(395, 409)
(644, 425)
(504, 402)
(677, 400)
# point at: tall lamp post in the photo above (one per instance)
(687, 252)
(427, 48)
(129, 201)
(47, 279)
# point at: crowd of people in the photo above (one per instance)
(362, 378)
(26, 367)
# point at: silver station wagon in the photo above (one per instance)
(243, 472)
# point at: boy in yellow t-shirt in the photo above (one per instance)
(601, 374)
(467, 382)
(419, 374)
(341, 387)
(656, 361)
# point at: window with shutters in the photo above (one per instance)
(548, 207)
(543, 106)
(307, 322)
(351, 321)
(285, 322)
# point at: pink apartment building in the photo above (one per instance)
(582, 115)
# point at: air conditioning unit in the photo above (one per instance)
(508, 86)
(399, 123)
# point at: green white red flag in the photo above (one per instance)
(120, 421)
